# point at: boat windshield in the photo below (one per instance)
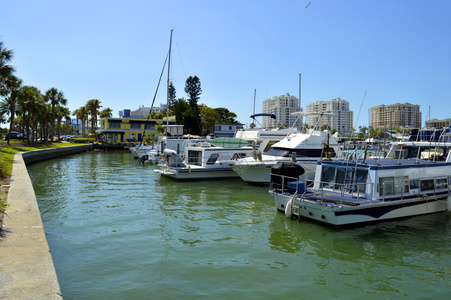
(344, 178)
(281, 152)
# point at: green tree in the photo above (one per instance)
(106, 113)
(225, 115)
(93, 106)
(55, 98)
(30, 98)
(83, 113)
(6, 70)
(180, 110)
(61, 113)
(192, 120)
(11, 86)
(171, 96)
(209, 117)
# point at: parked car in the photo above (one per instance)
(14, 135)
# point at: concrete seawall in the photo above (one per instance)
(26, 265)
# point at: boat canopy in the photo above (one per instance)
(228, 142)
(273, 116)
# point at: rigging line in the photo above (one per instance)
(180, 57)
(155, 96)
(355, 124)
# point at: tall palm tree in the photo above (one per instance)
(6, 70)
(61, 112)
(11, 87)
(55, 98)
(93, 106)
(29, 100)
(83, 114)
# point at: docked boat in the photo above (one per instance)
(203, 160)
(305, 148)
(347, 192)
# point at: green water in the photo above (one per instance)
(118, 231)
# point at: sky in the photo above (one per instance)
(364, 51)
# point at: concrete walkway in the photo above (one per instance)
(26, 265)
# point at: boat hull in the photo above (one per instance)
(342, 215)
(197, 174)
(260, 173)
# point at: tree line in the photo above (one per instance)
(34, 113)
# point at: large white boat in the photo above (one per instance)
(202, 161)
(351, 192)
(305, 148)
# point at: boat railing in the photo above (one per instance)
(352, 191)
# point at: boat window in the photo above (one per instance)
(361, 178)
(212, 158)
(238, 155)
(339, 178)
(441, 183)
(268, 147)
(279, 152)
(427, 185)
(414, 184)
(327, 176)
(195, 157)
(393, 185)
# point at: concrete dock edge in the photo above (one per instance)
(26, 265)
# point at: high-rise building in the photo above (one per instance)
(395, 116)
(282, 107)
(341, 120)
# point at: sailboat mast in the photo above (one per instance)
(169, 71)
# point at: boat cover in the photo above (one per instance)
(287, 169)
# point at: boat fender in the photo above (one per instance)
(288, 208)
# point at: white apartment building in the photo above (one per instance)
(342, 121)
(282, 107)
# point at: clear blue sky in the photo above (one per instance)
(395, 51)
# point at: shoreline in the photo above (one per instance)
(26, 265)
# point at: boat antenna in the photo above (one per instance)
(300, 107)
(255, 92)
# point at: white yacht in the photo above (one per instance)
(351, 192)
(305, 148)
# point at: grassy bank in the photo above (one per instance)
(6, 162)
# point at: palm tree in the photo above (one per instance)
(5, 70)
(106, 113)
(55, 98)
(30, 99)
(93, 106)
(60, 113)
(8, 106)
(82, 114)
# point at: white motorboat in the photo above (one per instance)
(348, 192)
(305, 148)
(202, 161)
